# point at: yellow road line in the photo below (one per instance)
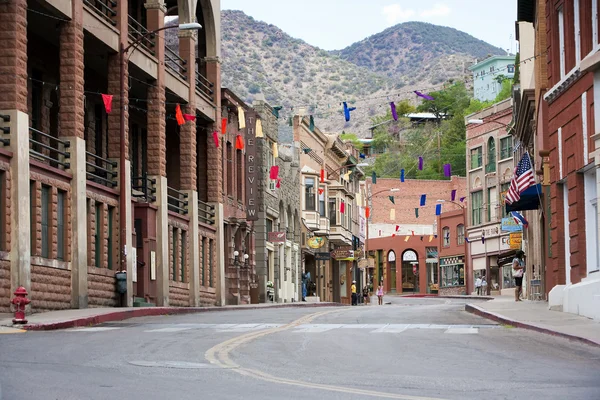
(219, 355)
(7, 330)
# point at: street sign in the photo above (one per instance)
(515, 240)
(322, 256)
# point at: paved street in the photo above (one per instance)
(414, 348)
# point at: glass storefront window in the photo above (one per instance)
(507, 279)
(453, 275)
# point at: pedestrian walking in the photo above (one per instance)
(518, 268)
(484, 285)
(354, 294)
(478, 285)
(380, 293)
(366, 294)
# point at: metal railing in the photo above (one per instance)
(205, 86)
(137, 31)
(206, 212)
(178, 201)
(104, 8)
(100, 170)
(47, 148)
(145, 186)
(5, 130)
(175, 63)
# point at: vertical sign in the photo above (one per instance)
(251, 168)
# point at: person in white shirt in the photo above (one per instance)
(478, 285)
(518, 268)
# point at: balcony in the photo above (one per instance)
(137, 31)
(178, 201)
(324, 227)
(105, 9)
(204, 88)
(101, 170)
(4, 130)
(175, 63)
(48, 149)
(312, 220)
(143, 188)
(339, 234)
(206, 213)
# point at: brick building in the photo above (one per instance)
(278, 202)
(62, 236)
(489, 172)
(572, 139)
(453, 252)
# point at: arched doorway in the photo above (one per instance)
(392, 270)
(410, 271)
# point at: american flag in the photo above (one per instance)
(522, 180)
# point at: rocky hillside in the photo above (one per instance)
(261, 58)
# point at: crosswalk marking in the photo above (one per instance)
(305, 328)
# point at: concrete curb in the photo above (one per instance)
(473, 309)
(156, 311)
(435, 296)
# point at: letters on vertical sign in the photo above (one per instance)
(251, 168)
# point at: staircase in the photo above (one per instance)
(141, 302)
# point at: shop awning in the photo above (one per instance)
(530, 200)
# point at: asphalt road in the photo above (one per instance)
(413, 349)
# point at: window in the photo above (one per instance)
(503, 189)
(32, 219)
(446, 236)
(230, 170)
(98, 236)
(453, 275)
(506, 147)
(561, 41)
(332, 211)
(46, 193)
(111, 235)
(309, 194)
(270, 163)
(349, 213)
(591, 221)
(460, 234)
(577, 29)
(60, 225)
(477, 205)
(204, 260)
(239, 175)
(476, 157)
(174, 254)
(211, 243)
(510, 68)
(183, 247)
(322, 210)
(491, 156)
(3, 197)
(492, 204)
(594, 24)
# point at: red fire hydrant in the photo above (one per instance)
(20, 301)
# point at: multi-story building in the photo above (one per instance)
(486, 74)
(237, 143)
(453, 251)
(403, 239)
(572, 141)
(489, 172)
(72, 213)
(328, 205)
(278, 226)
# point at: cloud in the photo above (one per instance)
(438, 10)
(394, 13)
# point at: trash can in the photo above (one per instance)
(121, 278)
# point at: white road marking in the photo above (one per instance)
(167, 330)
(93, 329)
(463, 331)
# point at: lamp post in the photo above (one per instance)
(122, 178)
(367, 219)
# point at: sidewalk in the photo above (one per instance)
(64, 319)
(534, 315)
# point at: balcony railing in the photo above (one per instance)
(206, 213)
(5, 130)
(104, 8)
(49, 149)
(137, 31)
(205, 87)
(175, 63)
(101, 170)
(144, 187)
(178, 201)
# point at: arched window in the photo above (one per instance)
(460, 234)
(446, 236)
(491, 156)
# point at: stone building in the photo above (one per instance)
(70, 216)
(278, 225)
(238, 142)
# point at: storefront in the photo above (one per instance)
(452, 275)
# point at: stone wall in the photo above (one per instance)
(50, 288)
(102, 288)
(5, 294)
(179, 294)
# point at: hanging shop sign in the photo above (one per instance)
(515, 240)
(510, 225)
(251, 168)
(315, 242)
(277, 237)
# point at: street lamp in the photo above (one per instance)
(122, 179)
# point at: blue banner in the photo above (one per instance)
(510, 225)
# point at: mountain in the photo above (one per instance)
(261, 58)
(418, 52)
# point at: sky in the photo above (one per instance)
(336, 24)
